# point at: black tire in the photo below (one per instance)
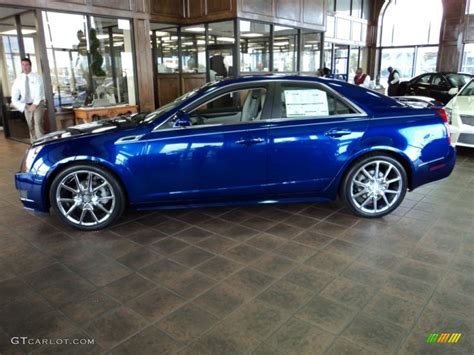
(95, 203)
(374, 197)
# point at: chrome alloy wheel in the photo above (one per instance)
(376, 186)
(85, 198)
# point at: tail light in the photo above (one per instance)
(444, 116)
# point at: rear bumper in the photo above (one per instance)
(435, 170)
(31, 192)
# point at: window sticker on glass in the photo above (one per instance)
(306, 103)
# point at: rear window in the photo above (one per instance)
(458, 80)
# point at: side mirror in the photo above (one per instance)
(182, 120)
(453, 91)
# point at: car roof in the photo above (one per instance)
(445, 73)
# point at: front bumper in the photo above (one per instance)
(31, 192)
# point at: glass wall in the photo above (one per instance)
(409, 61)
(424, 25)
(426, 58)
(328, 54)
(221, 50)
(343, 6)
(285, 49)
(411, 49)
(11, 48)
(341, 62)
(311, 52)
(468, 57)
(254, 46)
(401, 59)
(470, 7)
(166, 40)
(221, 32)
(193, 49)
(90, 60)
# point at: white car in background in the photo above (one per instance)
(460, 110)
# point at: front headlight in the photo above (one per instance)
(29, 158)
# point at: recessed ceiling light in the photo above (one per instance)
(251, 35)
(281, 28)
(195, 29)
(225, 39)
(23, 31)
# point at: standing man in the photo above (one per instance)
(28, 97)
(361, 78)
(393, 82)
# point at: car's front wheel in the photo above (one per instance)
(375, 186)
(87, 197)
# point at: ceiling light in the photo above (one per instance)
(195, 29)
(225, 39)
(281, 28)
(23, 31)
(251, 35)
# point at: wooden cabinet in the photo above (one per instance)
(171, 86)
(192, 11)
(168, 88)
(309, 14)
(167, 10)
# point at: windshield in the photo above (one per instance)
(468, 90)
(458, 80)
(172, 105)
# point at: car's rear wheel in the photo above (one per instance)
(87, 197)
(375, 186)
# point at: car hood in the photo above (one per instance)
(96, 127)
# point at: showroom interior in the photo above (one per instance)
(303, 278)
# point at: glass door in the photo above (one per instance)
(18, 39)
(341, 62)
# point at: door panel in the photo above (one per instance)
(207, 162)
(315, 131)
(305, 156)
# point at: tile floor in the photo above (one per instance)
(296, 279)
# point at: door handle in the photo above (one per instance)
(335, 132)
(250, 141)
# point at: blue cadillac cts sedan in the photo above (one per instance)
(265, 139)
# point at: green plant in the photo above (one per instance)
(96, 57)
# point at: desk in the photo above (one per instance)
(88, 114)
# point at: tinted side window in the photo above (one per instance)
(230, 108)
(439, 81)
(424, 79)
(310, 102)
